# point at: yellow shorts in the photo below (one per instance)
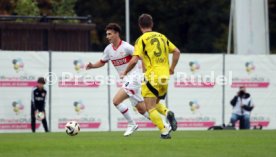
(156, 89)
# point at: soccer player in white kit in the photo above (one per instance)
(120, 53)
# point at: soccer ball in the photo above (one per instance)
(39, 115)
(72, 128)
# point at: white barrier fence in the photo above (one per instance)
(199, 92)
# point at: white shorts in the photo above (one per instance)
(132, 86)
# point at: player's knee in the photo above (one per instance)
(116, 102)
(141, 110)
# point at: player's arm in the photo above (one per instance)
(135, 57)
(133, 61)
(175, 58)
(176, 54)
(131, 65)
(143, 67)
(98, 64)
(105, 58)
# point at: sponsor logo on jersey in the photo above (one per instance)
(121, 61)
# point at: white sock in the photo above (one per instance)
(125, 112)
(146, 115)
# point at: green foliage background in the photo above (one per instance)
(199, 26)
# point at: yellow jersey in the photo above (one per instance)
(154, 48)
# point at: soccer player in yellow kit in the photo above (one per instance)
(154, 48)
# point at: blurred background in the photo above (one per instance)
(200, 26)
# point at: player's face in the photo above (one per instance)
(112, 36)
(40, 85)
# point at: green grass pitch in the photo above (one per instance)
(253, 143)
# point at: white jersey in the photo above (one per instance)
(120, 57)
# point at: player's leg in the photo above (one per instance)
(140, 107)
(137, 101)
(44, 122)
(136, 98)
(168, 113)
(163, 88)
(161, 108)
(150, 97)
(156, 117)
(33, 118)
(120, 96)
(123, 108)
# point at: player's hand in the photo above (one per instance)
(122, 75)
(89, 66)
(171, 71)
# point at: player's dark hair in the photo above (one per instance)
(113, 26)
(41, 80)
(145, 21)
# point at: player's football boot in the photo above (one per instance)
(171, 119)
(130, 129)
(166, 136)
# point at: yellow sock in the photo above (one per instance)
(157, 120)
(162, 109)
